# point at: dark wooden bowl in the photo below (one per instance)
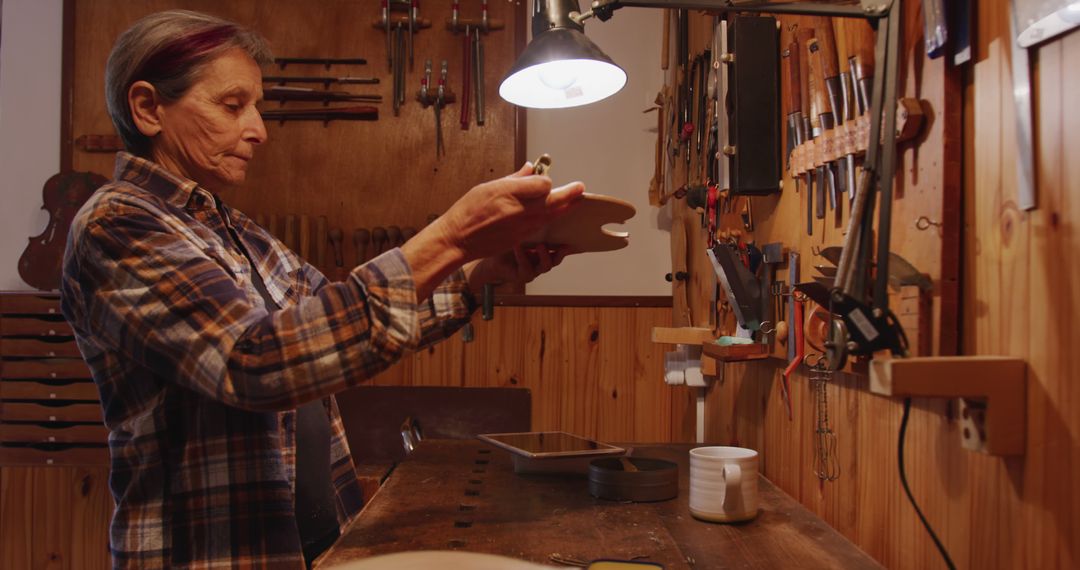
(654, 480)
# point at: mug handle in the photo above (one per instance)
(732, 487)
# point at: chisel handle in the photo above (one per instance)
(794, 80)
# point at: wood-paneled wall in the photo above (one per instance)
(357, 174)
(592, 371)
(1020, 297)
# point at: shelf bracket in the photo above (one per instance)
(1000, 381)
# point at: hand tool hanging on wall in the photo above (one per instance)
(287, 94)
(472, 49)
(802, 36)
(826, 464)
(320, 242)
(718, 130)
(326, 62)
(795, 349)
(361, 239)
(437, 97)
(378, 240)
(868, 325)
(393, 235)
(324, 114)
(305, 237)
(292, 232)
(859, 38)
(823, 175)
(401, 19)
(796, 130)
(335, 237)
(1025, 142)
(685, 124)
(440, 97)
(325, 81)
(846, 112)
(832, 113)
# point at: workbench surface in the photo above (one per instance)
(464, 495)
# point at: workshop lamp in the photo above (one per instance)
(562, 68)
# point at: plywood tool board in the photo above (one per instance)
(358, 174)
(926, 212)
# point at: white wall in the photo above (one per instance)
(610, 146)
(30, 54)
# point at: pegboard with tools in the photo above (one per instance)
(739, 253)
(374, 168)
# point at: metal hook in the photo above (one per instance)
(814, 360)
(923, 223)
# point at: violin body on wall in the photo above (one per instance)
(64, 194)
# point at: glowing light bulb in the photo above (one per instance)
(558, 76)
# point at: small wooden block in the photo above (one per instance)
(682, 335)
(582, 228)
(1000, 380)
(735, 352)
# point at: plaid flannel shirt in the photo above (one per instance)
(199, 382)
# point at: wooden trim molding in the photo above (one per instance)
(67, 77)
(582, 301)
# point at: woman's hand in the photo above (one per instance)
(517, 266)
(495, 216)
(490, 220)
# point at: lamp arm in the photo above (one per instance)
(871, 9)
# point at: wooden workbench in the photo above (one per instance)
(464, 495)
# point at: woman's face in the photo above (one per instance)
(210, 133)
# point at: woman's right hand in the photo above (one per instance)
(494, 217)
(490, 219)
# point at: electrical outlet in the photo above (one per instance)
(972, 419)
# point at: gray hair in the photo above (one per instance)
(169, 50)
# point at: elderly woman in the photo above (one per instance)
(215, 349)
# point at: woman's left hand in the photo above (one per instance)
(519, 265)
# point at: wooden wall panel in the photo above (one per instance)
(1020, 292)
(357, 174)
(16, 517)
(592, 370)
(54, 517)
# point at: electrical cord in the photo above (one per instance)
(907, 489)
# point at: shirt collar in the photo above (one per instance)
(154, 178)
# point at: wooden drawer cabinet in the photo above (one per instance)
(49, 408)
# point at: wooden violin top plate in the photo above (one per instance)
(447, 560)
(582, 228)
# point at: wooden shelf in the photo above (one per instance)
(682, 335)
(736, 352)
(998, 380)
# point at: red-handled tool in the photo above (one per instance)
(800, 352)
(466, 76)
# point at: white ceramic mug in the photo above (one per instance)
(723, 483)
